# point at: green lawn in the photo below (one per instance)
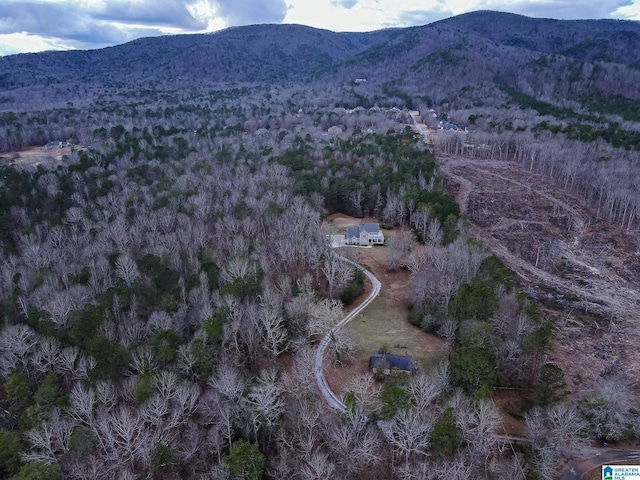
(384, 323)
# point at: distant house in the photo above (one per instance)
(445, 125)
(57, 144)
(359, 80)
(365, 234)
(385, 362)
(335, 130)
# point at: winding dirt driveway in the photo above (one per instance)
(329, 395)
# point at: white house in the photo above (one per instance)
(365, 234)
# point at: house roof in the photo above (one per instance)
(367, 227)
(353, 232)
(395, 361)
(370, 227)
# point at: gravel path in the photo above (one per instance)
(329, 395)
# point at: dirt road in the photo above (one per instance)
(610, 457)
(329, 395)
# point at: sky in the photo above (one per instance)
(38, 25)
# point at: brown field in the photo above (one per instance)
(37, 156)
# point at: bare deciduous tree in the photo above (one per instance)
(424, 389)
(17, 342)
(338, 274)
(316, 466)
(566, 425)
(408, 433)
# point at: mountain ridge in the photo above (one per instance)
(483, 51)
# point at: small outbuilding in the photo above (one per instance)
(385, 362)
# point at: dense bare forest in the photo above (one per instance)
(165, 275)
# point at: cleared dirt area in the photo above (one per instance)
(37, 155)
(384, 322)
(584, 270)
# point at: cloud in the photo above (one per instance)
(348, 4)
(629, 11)
(173, 13)
(35, 25)
(79, 26)
(53, 21)
(564, 9)
(91, 24)
(418, 17)
(247, 12)
(12, 43)
(339, 15)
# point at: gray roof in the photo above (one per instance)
(367, 227)
(395, 361)
(353, 232)
(370, 227)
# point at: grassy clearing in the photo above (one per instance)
(384, 323)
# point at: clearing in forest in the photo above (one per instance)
(38, 155)
(384, 322)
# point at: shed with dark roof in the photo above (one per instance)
(388, 361)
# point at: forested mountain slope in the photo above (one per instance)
(614, 41)
(467, 60)
(465, 57)
(264, 53)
